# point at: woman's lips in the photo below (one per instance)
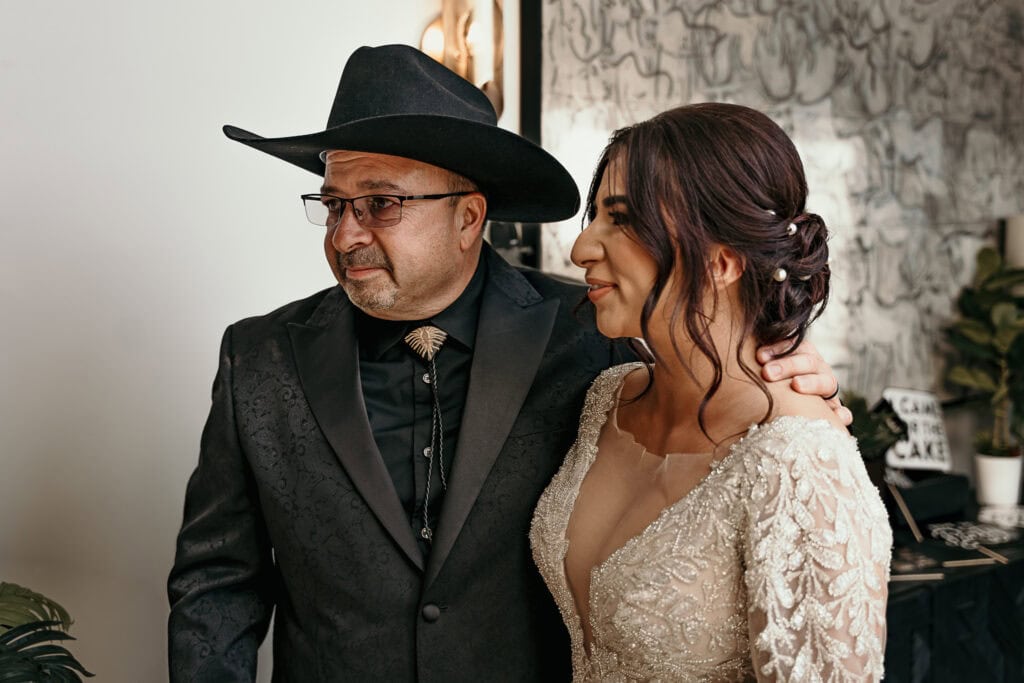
(598, 290)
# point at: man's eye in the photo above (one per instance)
(380, 203)
(333, 205)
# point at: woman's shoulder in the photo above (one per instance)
(789, 438)
(602, 396)
(798, 454)
(788, 403)
(793, 447)
(799, 424)
(604, 390)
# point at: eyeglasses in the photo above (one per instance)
(371, 211)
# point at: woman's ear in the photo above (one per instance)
(726, 266)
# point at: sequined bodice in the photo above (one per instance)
(777, 562)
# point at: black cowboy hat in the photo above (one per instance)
(396, 100)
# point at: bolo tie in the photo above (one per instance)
(426, 341)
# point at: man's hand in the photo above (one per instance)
(809, 372)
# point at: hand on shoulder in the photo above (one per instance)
(805, 372)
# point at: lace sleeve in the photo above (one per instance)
(817, 561)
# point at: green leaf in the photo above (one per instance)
(989, 261)
(35, 636)
(974, 304)
(1015, 361)
(1004, 338)
(969, 351)
(1004, 315)
(1004, 280)
(23, 674)
(1007, 326)
(972, 378)
(976, 331)
(29, 649)
(19, 605)
(875, 430)
(12, 637)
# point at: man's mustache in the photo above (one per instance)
(363, 258)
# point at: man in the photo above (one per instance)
(373, 453)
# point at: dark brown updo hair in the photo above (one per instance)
(716, 173)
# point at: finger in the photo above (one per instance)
(844, 415)
(792, 366)
(813, 385)
(834, 394)
(770, 351)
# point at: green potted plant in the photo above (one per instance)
(987, 359)
(30, 625)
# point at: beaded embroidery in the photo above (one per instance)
(779, 559)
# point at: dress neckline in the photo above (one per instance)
(612, 419)
(716, 467)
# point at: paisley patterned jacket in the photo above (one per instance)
(291, 510)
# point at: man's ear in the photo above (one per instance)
(726, 266)
(472, 211)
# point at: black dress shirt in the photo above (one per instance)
(398, 397)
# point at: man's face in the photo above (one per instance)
(417, 267)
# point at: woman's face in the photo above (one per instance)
(620, 272)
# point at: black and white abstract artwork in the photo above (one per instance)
(907, 115)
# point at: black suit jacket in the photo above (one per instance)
(291, 507)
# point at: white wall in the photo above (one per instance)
(133, 233)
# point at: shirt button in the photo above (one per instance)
(426, 378)
(427, 452)
(431, 612)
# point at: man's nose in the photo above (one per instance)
(348, 235)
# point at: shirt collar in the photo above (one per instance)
(459, 320)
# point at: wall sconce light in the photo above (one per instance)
(468, 38)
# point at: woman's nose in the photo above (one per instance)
(587, 248)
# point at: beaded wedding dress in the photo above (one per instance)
(774, 566)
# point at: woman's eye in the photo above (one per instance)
(619, 218)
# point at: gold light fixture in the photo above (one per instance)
(468, 38)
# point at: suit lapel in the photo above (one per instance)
(512, 333)
(327, 358)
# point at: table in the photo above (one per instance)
(967, 627)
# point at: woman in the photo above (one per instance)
(706, 526)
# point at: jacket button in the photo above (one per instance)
(431, 612)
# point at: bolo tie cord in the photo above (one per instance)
(426, 341)
(436, 439)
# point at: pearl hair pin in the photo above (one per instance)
(780, 275)
(791, 229)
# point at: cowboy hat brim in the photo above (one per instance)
(521, 181)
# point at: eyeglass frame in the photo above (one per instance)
(351, 200)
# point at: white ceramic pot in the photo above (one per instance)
(998, 481)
